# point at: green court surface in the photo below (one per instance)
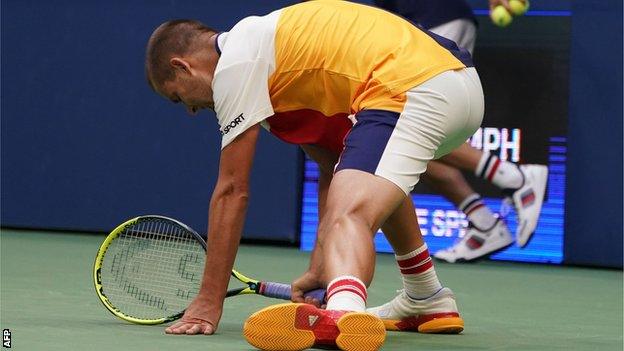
(48, 302)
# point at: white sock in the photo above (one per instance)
(346, 293)
(503, 174)
(477, 212)
(419, 277)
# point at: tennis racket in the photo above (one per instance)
(149, 268)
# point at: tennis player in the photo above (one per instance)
(300, 72)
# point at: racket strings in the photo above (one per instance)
(155, 270)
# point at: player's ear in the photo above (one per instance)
(179, 65)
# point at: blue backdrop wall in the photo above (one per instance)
(85, 143)
(594, 206)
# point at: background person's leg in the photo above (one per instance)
(485, 234)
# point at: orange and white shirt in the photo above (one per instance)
(301, 70)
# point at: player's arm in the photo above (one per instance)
(326, 161)
(226, 216)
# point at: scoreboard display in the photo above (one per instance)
(524, 73)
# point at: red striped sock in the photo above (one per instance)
(419, 277)
(346, 293)
(477, 212)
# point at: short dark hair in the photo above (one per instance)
(176, 37)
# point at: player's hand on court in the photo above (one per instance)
(307, 282)
(200, 317)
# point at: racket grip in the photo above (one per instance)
(283, 291)
(318, 294)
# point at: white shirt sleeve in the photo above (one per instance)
(241, 95)
(241, 81)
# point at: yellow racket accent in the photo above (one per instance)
(250, 289)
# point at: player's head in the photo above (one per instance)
(180, 63)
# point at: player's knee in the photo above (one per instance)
(348, 222)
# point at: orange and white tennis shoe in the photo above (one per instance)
(298, 326)
(437, 314)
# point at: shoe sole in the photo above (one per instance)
(450, 325)
(274, 328)
(360, 331)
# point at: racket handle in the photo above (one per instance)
(318, 294)
(282, 291)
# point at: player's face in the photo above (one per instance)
(192, 90)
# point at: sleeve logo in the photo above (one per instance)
(235, 122)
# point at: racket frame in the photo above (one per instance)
(253, 286)
(99, 259)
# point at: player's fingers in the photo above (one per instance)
(296, 295)
(194, 329)
(182, 329)
(312, 301)
(171, 329)
(208, 329)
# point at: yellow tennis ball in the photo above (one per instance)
(518, 7)
(500, 16)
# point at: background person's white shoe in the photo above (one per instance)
(437, 314)
(528, 201)
(477, 243)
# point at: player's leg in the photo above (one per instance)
(442, 113)
(357, 203)
(423, 305)
(486, 232)
(437, 117)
